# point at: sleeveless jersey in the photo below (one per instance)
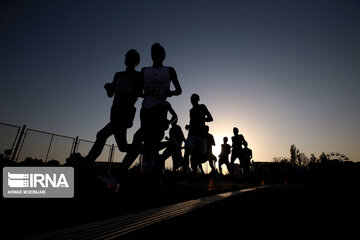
(127, 88)
(197, 121)
(246, 153)
(225, 150)
(237, 142)
(156, 86)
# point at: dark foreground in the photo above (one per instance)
(284, 212)
(294, 211)
(93, 201)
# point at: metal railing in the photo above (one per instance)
(83, 147)
(45, 146)
(20, 143)
(8, 138)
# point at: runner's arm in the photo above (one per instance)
(172, 112)
(110, 87)
(175, 81)
(208, 116)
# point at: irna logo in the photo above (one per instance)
(38, 182)
(16, 180)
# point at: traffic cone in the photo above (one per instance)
(211, 186)
(262, 183)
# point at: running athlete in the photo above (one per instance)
(157, 80)
(210, 141)
(175, 140)
(246, 160)
(158, 164)
(126, 87)
(238, 141)
(224, 156)
(196, 142)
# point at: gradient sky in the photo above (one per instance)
(283, 72)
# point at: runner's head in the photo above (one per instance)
(235, 131)
(132, 58)
(158, 53)
(225, 139)
(195, 98)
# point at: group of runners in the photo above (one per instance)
(153, 85)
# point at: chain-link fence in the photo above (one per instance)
(45, 146)
(30, 143)
(8, 136)
(83, 147)
(119, 156)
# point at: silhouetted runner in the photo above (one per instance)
(125, 88)
(157, 80)
(238, 141)
(224, 156)
(158, 164)
(148, 164)
(175, 140)
(246, 160)
(210, 141)
(196, 142)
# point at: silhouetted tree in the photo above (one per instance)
(32, 162)
(281, 159)
(53, 163)
(302, 159)
(313, 159)
(323, 158)
(297, 158)
(293, 154)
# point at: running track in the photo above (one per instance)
(119, 226)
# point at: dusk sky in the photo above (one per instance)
(283, 72)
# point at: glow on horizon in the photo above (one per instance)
(283, 73)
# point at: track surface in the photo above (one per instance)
(283, 212)
(119, 226)
(305, 211)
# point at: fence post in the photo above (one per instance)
(47, 154)
(75, 145)
(18, 143)
(111, 155)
